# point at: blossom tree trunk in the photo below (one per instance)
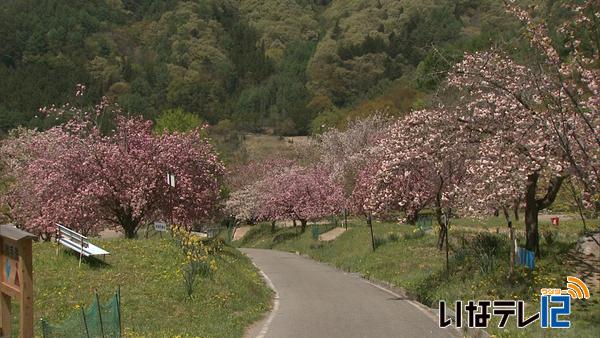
(533, 205)
(303, 223)
(129, 223)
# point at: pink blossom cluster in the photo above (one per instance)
(72, 174)
(299, 193)
(420, 162)
(287, 192)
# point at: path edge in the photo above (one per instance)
(396, 291)
(260, 327)
(400, 291)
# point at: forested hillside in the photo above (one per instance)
(287, 67)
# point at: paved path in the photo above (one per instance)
(331, 234)
(316, 300)
(240, 232)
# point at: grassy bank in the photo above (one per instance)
(154, 301)
(478, 267)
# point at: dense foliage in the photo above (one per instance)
(506, 133)
(260, 65)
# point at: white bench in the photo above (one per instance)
(77, 242)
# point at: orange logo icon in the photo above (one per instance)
(576, 288)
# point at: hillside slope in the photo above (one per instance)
(264, 65)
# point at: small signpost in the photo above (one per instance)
(555, 221)
(171, 183)
(17, 279)
(160, 226)
(171, 180)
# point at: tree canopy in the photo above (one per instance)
(265, 66)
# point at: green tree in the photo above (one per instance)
(176, 120)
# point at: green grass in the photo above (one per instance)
(479, 266)
(401, 263)
(569, 229)
(154, 302)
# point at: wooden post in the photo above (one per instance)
(5, 308)
(26, 282)
(5, 317)
(16, 279)
(370, 222)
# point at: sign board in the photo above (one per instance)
(555, 221)
(160, 226)
(16, 279)
(11, 263)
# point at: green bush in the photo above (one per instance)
(191, 271)
(549, 236)
(487, 243)
(318, 245)
(485, 249)
(487, 263)
(460, 255)
(417, 233)
(284, 237)
(379, 241)
(393, 237)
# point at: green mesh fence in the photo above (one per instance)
(96, 321)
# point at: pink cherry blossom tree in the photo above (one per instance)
(301, 194)
(421, 161)
(345, 150)
(349, 155)
(244, 202)
(241, 175)
(535, 124)
(74, 174)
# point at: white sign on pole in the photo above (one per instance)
(171, 180)
(160, 226)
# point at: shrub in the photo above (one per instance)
(549, 236)
(379, 241)
(316, 246)
(393, 237)
(486, 247)
(284, 237)
(199, 261)
(417, 233)
(460, 255)
(487, 263)
(486, 243)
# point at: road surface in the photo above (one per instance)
(316, 300)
